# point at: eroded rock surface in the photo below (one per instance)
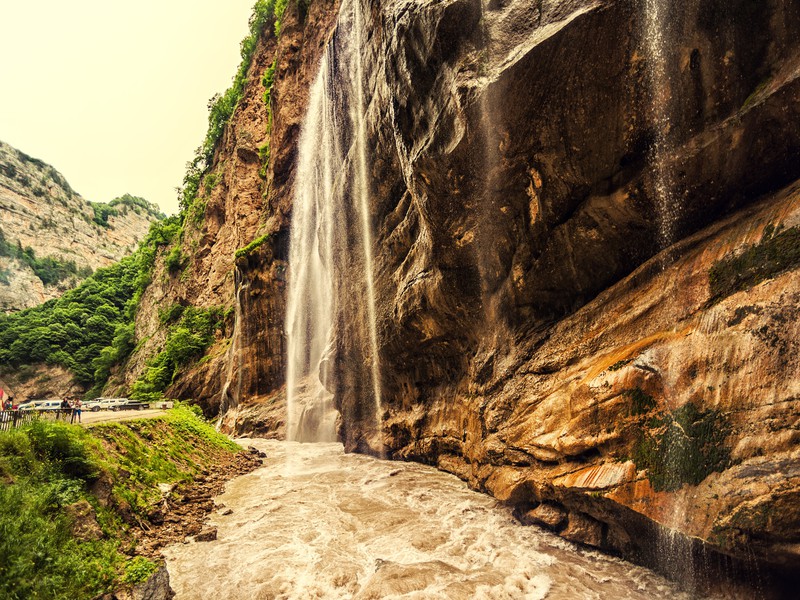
(539, 334)
(40, 210)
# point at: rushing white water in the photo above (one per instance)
(332, 188)
(317, 523)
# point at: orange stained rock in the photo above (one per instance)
(598, 477)
(631, 350)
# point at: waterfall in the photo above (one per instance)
(675, 552)
(331, 279)
(229, 399)
(667, 207)
(358, 114)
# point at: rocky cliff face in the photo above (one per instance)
(560, 319)
(248, 201)
(41, 211)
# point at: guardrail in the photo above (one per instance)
(14, 418)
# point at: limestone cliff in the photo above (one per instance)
(550, 329)
(40, 211)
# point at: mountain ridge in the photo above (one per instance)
(51, 238)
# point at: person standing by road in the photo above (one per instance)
(77, 406)
(65, 408)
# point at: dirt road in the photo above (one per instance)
(105, 416)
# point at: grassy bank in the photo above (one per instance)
(49, 470)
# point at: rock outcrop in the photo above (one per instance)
(40, 211)
(560, 321)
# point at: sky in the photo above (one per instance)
(114, 93)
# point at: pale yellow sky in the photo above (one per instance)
(114, 93)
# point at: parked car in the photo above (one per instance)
(92, 405)
(112, 403)
(121, 404)
(50, 405)
(133, 405)
(41, 405)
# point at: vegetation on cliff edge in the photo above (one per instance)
(121, 205)
(49, 468)
(49, 270)
(190, 332)
(222, 106)
(90, 328)
(778, 251)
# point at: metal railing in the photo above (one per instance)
(14, 418)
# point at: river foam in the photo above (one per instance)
(315, 522)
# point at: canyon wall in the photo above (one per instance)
(41, 211)
(548, 331)
(533, 339)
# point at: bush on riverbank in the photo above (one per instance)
(46, 467)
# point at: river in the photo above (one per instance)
(314, 522)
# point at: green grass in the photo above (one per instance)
(47, 466)
(252, 246)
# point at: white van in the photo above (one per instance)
(92, 405)
(49, 405)
(31, 405)
(41, 405)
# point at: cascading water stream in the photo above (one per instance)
(674, 550)
(359, 117)
(229, 400)
(331, 218)
(655, 40)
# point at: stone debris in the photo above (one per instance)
(183, 512)
(209, 534)
(583, 529)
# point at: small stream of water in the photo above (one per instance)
(317, 523)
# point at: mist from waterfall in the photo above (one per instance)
(330, 256)
(655, 28)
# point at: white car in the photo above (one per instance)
(112, 403)
(41, 405)
(92, 405)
